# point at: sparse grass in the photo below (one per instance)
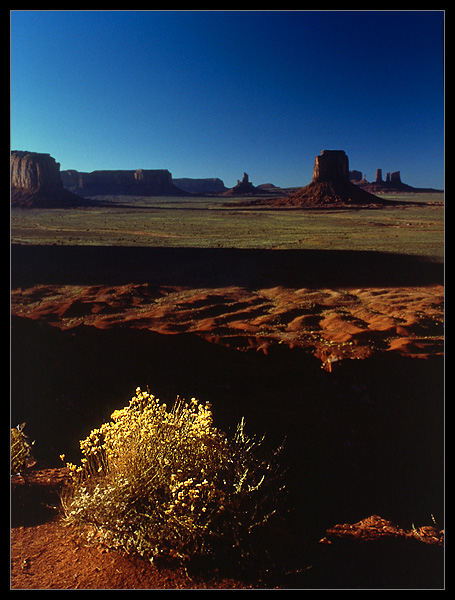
(207, 223)
(166, 483)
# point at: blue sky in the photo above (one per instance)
(217, 93)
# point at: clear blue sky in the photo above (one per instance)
(214, 94)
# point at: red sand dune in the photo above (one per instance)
(332, 324)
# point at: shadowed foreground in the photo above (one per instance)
(201, 267)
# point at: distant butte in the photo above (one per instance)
(243, 188)
(330, 186)
(391, 185)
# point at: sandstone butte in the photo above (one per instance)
(244, 188)
(36, 182)
(330, 186)
(391, 185)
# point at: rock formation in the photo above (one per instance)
(270, 188)
(332, 166)
(30, 170)
(200, 186)
(141, 182)
(395, 178)
(36, 182)
(355, 175)
(391, 185)
(243, 188)
(331, 185)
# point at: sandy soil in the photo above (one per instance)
(337, 304)
(47, 555)
(364, 437)
(332, 324)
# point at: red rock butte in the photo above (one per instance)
(36, 182)
(330, 186)
(243, 188)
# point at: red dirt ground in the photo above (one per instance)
(402, 322)
(332, 324)
(47, 555)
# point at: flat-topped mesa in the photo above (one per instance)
(196, 186)
(141, 182)
(379, 179)
(331, 166)
(33, 170)
(36, 182)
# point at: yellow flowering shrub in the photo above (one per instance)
(162, 482)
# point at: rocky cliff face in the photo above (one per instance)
(142, 182)
(331, 166)
(35, 182)
(31, 170)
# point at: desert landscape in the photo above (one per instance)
(316, 315)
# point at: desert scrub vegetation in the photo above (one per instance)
(21, 450)
(167, 483)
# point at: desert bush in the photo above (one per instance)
(167, 483)
(21, 454)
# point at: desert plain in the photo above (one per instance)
(324, 327)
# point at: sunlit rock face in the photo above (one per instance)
(36, 182)
(331, 166)
(31, 170)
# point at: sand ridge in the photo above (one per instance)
(332, 324)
